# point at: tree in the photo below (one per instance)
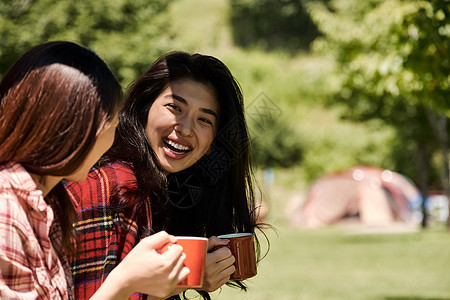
(272, 24)
(392, 64)
(275, 143)
(129, 35)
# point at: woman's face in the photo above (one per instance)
(182, 123)
(104, 141)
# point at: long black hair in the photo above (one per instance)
(215, 195)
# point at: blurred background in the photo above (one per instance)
(348, 107)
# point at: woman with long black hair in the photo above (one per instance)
(180, 162)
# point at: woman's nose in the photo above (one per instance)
(184, 126)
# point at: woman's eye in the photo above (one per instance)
(173, 106)
(206, 121)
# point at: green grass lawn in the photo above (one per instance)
(345, 262)
(335, 264)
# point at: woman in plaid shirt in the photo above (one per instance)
(180, 162)
(58, 114)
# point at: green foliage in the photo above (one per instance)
(129, 35)
(345, 145)
(308, 132)
(274, 142)
(268, 88)
(403, 56)
(394, 69)
(272, 24)
(200, 26)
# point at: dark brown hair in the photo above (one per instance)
(53, 102)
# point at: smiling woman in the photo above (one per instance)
(181, 124)
(180, 162)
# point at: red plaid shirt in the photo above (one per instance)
(29, 265)
(104, 238)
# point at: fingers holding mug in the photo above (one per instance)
(218, 268)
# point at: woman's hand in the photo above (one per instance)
(218, 265)
(145, 270)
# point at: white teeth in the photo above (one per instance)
(177, 146)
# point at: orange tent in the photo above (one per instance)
(365, 194)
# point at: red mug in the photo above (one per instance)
(242, 246)
(195, 249)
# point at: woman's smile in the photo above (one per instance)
(175, 149)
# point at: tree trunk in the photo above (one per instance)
(422, 169)
(439, 124)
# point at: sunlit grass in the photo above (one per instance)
(334, 264)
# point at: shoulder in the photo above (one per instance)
(15, 226)
(101, 183)
(18, 195)
(12, 211)
(117, 171)
(17, 238)
(14, 176)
